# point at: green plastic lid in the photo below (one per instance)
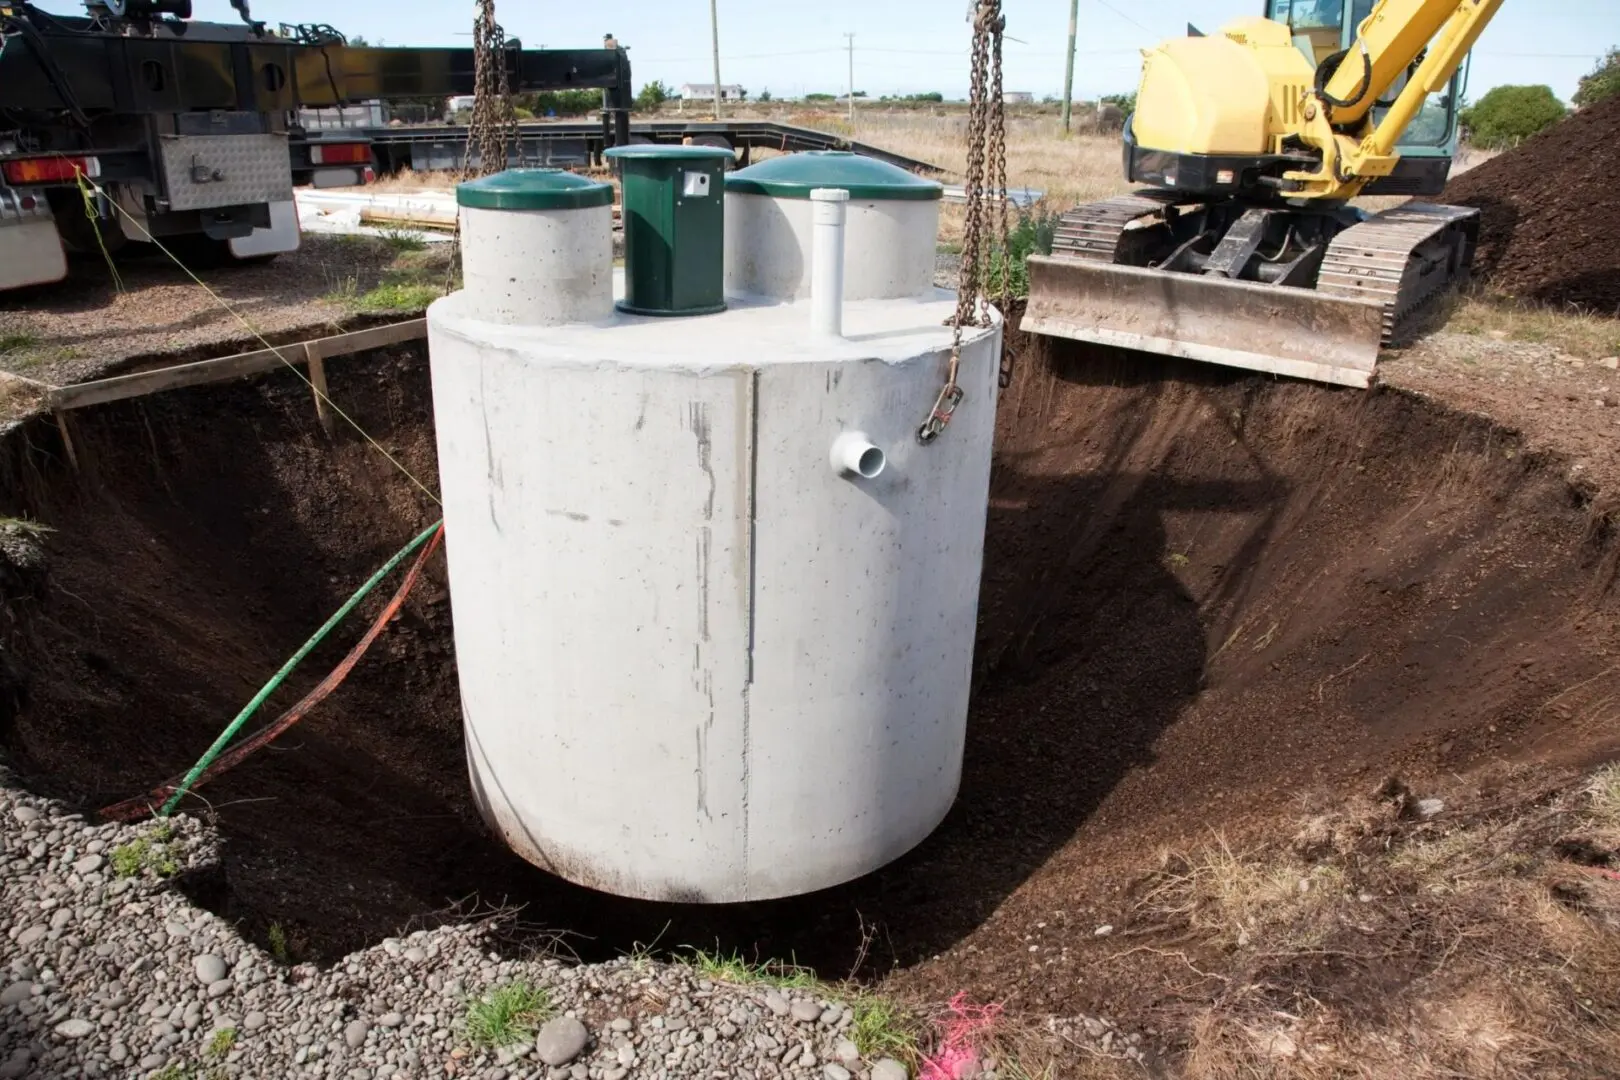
(678, 152)
(534, 189)
(795, 176)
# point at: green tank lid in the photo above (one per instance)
(671, 151)
(795, 176)
(534, 189)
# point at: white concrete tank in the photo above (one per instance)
(537, 247)
(891, 234)
(714, 602)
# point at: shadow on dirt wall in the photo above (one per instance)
(212, 530)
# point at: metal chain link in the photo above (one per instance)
(493, 127)
(986, 136)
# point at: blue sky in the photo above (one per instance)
(907, 46)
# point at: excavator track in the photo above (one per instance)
(1405, 258)
(1093, 231)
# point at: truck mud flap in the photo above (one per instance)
(1282, 330)
(30, 247)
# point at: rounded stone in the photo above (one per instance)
(806, 1012)
(889, 1069)
(834, 1072)
(355, 1032)
(210, 968)
(561, 1040)
(75, 1028)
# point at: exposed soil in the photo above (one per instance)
(1550, 228)
(1208, 598)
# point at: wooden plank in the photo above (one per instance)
(67, 440)
(317, 382)
(141, 383)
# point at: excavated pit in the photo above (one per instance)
(1206, 598)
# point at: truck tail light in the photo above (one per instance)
(340, 153)
(49, 170)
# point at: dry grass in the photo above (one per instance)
(1478, 945)
(1590, 337)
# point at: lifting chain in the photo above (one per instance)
(987, 154)
(493, 127)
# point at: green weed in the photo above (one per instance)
(222, 1043)
(883, 1029)
(1032, 235)
(278, 944)
(151, 852)
(508, 1014)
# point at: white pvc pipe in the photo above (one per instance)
(829, 207)
(854, 454)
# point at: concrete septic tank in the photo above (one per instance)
(714, 602)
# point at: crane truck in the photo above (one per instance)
(1244, 246)
(132, 120)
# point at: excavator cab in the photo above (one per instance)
(1324, 27)
(1244, 245)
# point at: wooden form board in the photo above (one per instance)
(310, 353)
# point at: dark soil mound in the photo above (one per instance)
(1204, 596)
(1551, 220)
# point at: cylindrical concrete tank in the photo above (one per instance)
(892, 229)
(537, 247)
(714, 603)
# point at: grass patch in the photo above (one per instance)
(17, 341)
(509, 1014)
(277, 937)
(222, 1043)
(152, 852)
(882, 1028)
(1591, 337)
(23, 527)
(1603, 795)
(402, 239)
(734, 969)
(398, 296)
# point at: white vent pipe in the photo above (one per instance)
(829, 208)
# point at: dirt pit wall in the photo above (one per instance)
(1207, 598)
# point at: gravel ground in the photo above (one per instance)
(107, 970)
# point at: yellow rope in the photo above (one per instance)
(261, 338)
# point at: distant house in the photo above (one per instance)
(1017, 97)
(705, 92)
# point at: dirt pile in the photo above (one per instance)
(1551, 224)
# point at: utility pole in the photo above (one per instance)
(714, 26)
(1068, 71)
(851, 39)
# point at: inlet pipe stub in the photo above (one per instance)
(853, 455)
(829, 209)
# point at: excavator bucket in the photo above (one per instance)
(1284, 330)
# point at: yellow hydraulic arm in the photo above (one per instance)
(1337, 119)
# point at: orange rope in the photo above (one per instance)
(142, 805)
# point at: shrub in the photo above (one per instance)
(1604, 82)
(1031, 235)
(1508, 115)
(651, 95)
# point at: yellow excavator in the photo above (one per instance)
(1244, 248)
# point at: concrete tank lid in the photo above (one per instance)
(534, 189)
(795, 176)
(669, 151)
